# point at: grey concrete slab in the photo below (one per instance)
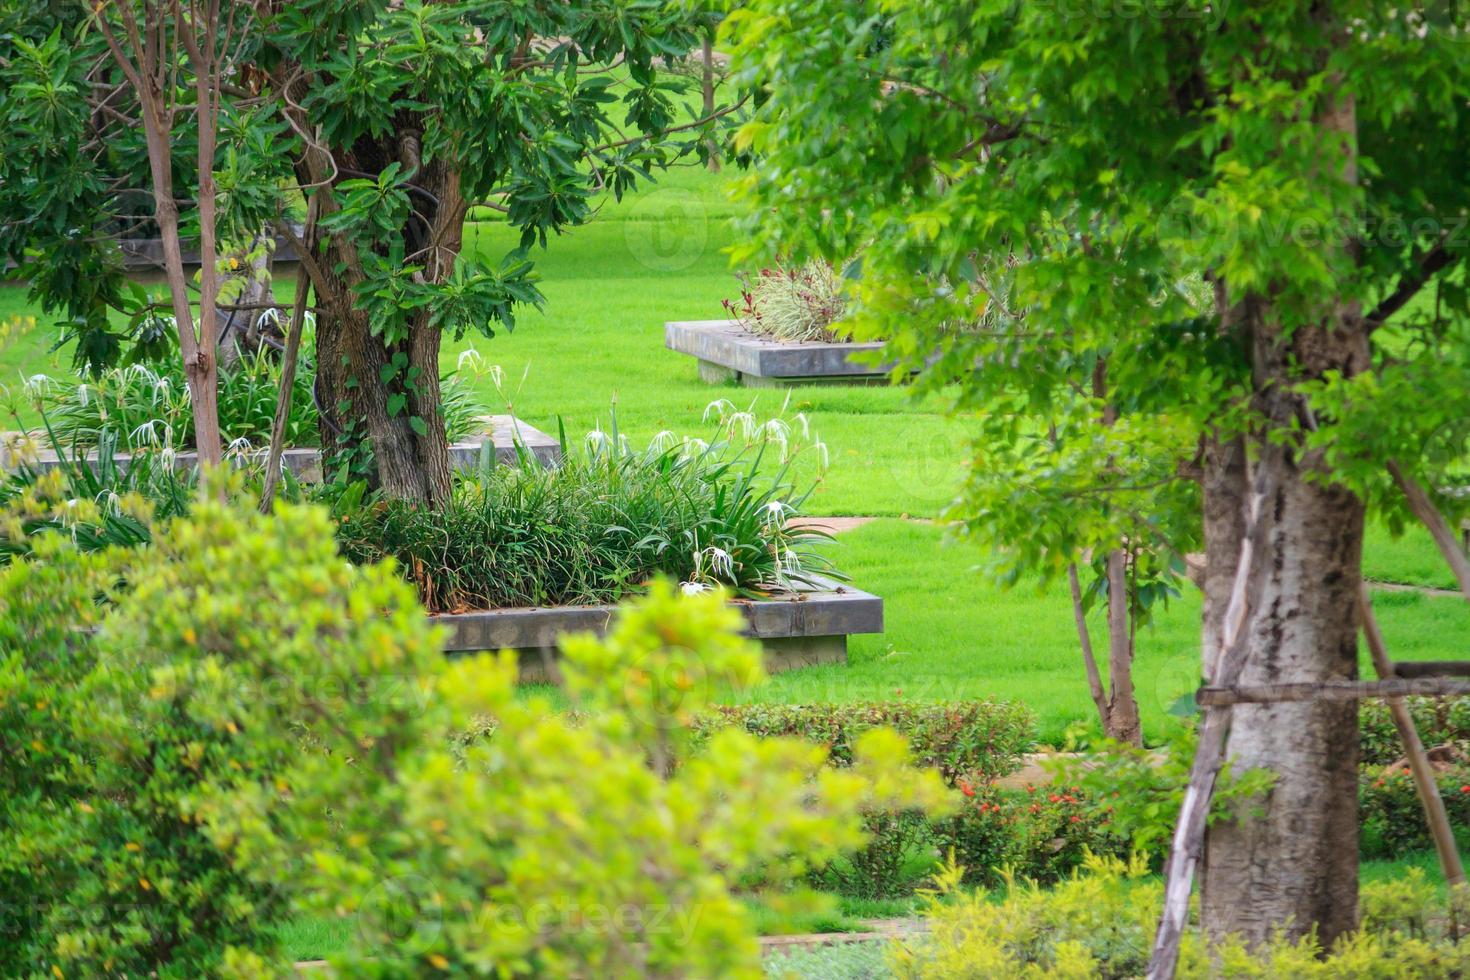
(797, 629)
(727, 351)
(503, 431)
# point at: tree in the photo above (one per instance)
(396, 118)
(1305, 161)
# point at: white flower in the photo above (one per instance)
(166, 456)
(745, 422)
(693, 448)
(37, 384)
(719, 408)
(778, 432)
(271, 316)
(84, 396)
(309, 318)
(161, 387)
(663, 442)
(147, 433)
(238, 447)
(721, 565)
(823, 460)
(596, 441)
(775, 511)
(693, 588)
(471, 359)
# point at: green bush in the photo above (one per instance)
(1100, 922)
(605, 521)
(1041, 834)
(1440, 721)
(979, 741)
(1391, 815)
(970, 743)
(124, 748)
(553, 845)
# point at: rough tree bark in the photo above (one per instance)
(351, 357)
(1295, 866)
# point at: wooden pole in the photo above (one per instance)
(1423, 773)
(1209, 757)
(1212, 696)
(1439, 528)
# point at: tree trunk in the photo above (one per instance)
(1122, 724)
(707, 89)
(1295, 867)
(356, 380)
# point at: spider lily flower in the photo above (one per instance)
(743, 421)
(271, 316)
(147, 433)
(240, 447)
(37, 384)
(721, 565)
(84, 395)
(470, 359)
(693, 588)
(720, 408)
(162, 386)
(663, 442)
(596, 441)
(775, 511)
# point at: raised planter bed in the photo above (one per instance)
(306, 463)
(728, 351)
(799, 629)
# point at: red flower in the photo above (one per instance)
(968, 790)
(1054, 798)
(1465, 789)
(1076, 818)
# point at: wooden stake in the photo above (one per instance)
(1209, 758)
(1439, 528)
(1424, 782)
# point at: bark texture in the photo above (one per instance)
(1295, 866)
(353, 358)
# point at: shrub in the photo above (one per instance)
(1100, 923)
(1391, 816)
(792, 303)
(1039, 834)
(607, 520)
(1440, 721)
(968, 742)
(125, 747)
(979, 741)
(548, 845)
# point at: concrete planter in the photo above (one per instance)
(306, 463)
(799, 629)
(728, 352)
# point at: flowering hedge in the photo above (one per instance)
(1391, 815)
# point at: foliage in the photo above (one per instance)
(148, 407)
(603, 522)
(553, 845)
(1392, 816)
(792, 302)
(1440, 721)
(1041, 834)
(1100, 922)
(1139, 791)
(838, 961)
(123, 745)
(978, 741)
(98, 502)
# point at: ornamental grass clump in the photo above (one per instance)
(716, 513)
(792, 302)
